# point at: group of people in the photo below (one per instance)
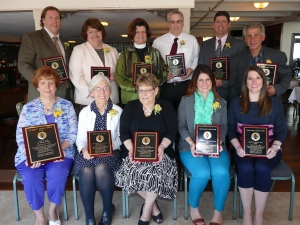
(160, 102)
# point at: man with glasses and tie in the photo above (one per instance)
(172, 43)
(222, 45)
(42, 44)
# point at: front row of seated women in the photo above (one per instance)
(201, 105)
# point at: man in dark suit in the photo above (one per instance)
(230, 46)
(39, 45)
(254, 35)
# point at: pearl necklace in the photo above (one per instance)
(148, 111)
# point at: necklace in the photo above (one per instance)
(148, 111)
(46, 110)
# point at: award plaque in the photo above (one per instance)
(145, 147)
(105, 71)
(58, 63)
(42, 143)
(207, 139)
(140, 68)
(99, 143)
(220, 67)
(176, 64)
(270, 70)
(255, 140)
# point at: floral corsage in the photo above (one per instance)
(227, 46)
(148, 59)
(112, 113)
(157, 109)
(268, 61)
(182, 43)
(106, 50)
(66, 45)
(57, 112)
(216, 106)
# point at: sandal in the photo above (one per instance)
(200, 220)
(158, 218)
(141, 222)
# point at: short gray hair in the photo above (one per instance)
(174, 12)
(254, 25)
(97, 79)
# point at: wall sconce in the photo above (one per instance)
(105, 24)
(233, 19)
(260, 5)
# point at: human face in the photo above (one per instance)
(204, 84)
(254, 82)
(254, 38)
(147, 95)
(221, 26)
(101, 96)
(175, 24)
(52, 21)
(47, 88)
(94, 36)
(140, 36)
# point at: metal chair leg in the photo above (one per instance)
(75, 198)
(175, 209)
(185, 197)
(16, 201)
(65, 207)
(234, 196)
(292, 198)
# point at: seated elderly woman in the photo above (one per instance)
(92, 53)
(203, 105)
(47, 108)
(98, 172)
(255, 107)
(149, 179)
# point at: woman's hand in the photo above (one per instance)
(86, 154)
(240, 151)
(161, 151)
(220, 150)
(130, 155)
(272, 151)
(34, 165)
(112, 77)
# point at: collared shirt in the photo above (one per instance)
(258, 58)
(59, 42)
(223, 40)
(190, 48)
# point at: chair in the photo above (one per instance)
(187, 174)
(18, 177)
(281, 172)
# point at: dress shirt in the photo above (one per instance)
(223, 40)
(58, 41)
(190, 48)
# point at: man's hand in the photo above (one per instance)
(219, 83)
(271, 90)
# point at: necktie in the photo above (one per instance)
(174, 47)
(55, 39)
(218, 51)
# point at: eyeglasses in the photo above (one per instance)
(105, 89)
(144, 91)
(173, 22)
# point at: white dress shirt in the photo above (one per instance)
(223, 40)
(59, 42)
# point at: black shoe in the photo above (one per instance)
(91, 222)
(107, 217)
(141, 222)
(159, 218)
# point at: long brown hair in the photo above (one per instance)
(201, 68)
(264, 101)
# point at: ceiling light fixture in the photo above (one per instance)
(72, 42)
(124, 35)
(104, 24)
(260, 5)
(234, 19)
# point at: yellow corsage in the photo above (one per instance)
(227, 46)
(57, 112)
(216, 106)
(182, 43)
(66, 45)
(148, 59)
(106, 50)
(157, 109)
(112, 113)
(268, 61)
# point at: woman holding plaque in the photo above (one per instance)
(47, 108)
(149, 179)
(255, 107)
(138, 52)
(203, 105)
(92, 53)
(98, 172)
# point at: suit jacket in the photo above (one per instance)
(37, 46)
(208, 50)
(82, 59)
(240, 62)
(186, 116)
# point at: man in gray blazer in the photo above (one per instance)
(254, 34)
(39, 45)
(230, 46)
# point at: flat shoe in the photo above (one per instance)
(107, 217)
(57, 222)
(158, 218)
(90, 222)
(200, 220)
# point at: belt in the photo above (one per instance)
(178, 82)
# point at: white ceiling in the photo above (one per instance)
(17, 23)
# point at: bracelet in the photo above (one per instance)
(163, 146)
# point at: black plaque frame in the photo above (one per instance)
(261, 145)
(269, 69)
(96, 70)
(176, 64)
(58, 63)
(203, 134)
(98, 139)
(220, 67)
(142, 141)
(46, 136)
(142, 68)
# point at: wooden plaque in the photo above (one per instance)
(145, 146)
(176, 64)
(97, 70)
(100, 143)
(220, 67)
(58, 63)
(140, 68)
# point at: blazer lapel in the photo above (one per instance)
(94, 54)
(190, 112)
(49, 42)
(213, 47)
